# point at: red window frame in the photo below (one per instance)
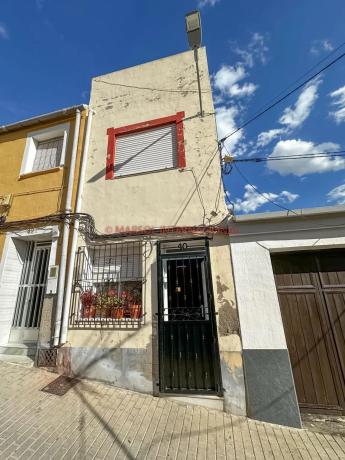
(114, 132)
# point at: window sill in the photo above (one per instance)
(39, 173)
(144, 173)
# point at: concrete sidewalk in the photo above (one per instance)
(96, 421)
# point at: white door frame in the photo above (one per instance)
(10, 276)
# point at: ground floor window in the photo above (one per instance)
(108, 284)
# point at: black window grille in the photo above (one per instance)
(108, 286)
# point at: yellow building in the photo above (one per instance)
(39, 169)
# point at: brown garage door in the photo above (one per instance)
(311, 290)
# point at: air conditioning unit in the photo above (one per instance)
(5, 200)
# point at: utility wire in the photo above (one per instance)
(305, 82)
(340, 153)
(261, 193)
(145, 88)
(307, 72)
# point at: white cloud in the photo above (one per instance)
(227, 78)
(266, 137)
(338, 97)
(203, 3)
(252, 200)
(337, 194)
(290, 197)
(245, 90)
(229, 87)
(226, 124)
(4, 31)
(300, 167)
(294, 116)
(256, 50)
(319, 46)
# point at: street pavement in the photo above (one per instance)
(97, 421)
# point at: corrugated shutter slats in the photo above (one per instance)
(145, 151)
(48, 154)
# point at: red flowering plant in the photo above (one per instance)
(88, 302)
(131, 299)
(135, 304)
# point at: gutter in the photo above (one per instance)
(43, 118)
(78, 203)
(65, 235)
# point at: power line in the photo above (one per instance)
(145, 88)
(305, 82)
(340, 153)
(261, 193)
(300, 77)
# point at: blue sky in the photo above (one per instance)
(51, 49)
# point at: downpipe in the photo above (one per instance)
(69, 281)
(65, 235)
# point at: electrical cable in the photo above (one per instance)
(145, 88)
(261, 193)
(340, 153)
(89, 232)
(271, 106)
(300, 77)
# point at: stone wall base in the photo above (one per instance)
(129, 368)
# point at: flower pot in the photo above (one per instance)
(105, 312)
(87, 298)
(89, 311)
(135, 311)
(117, 312)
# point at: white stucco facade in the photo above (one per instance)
(251, 248)
(270, 388)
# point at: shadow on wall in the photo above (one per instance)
(101, 174)
(195, 187)
(111, 358)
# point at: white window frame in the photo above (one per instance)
(32, 140)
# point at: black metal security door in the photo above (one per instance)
(189, 356)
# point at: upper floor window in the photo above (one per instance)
(45, 149)
(149, 146)
(48, 154)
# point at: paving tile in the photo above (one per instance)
(96, 421)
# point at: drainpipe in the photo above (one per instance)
(65, 236)
(68, 288)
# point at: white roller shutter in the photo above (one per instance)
(48, 154)
(148, 150)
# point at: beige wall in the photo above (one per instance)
(224, 297)
(163, 198)
(131, 338)
(167, 197)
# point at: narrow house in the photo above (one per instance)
(152, 304)
(35, 181)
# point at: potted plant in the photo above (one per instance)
(118, 311)
(88, 301)
(115, 303)
(135, 308)
(104, 303)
